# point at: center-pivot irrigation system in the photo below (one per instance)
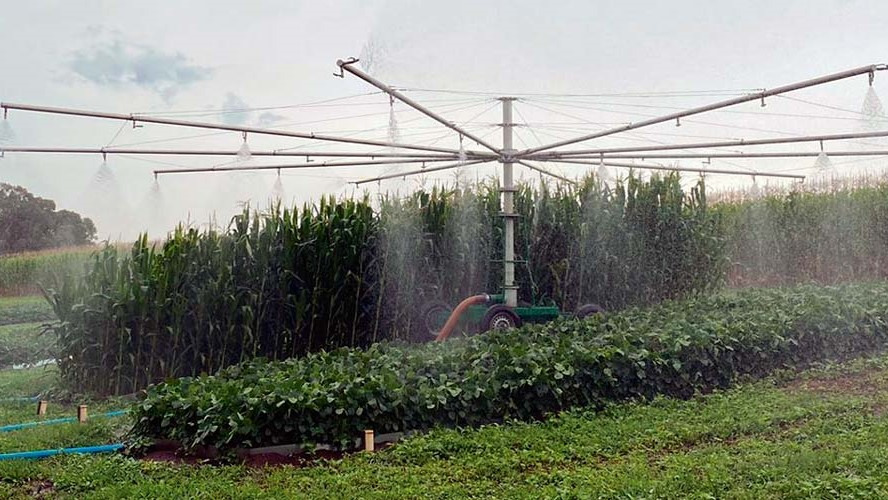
(500, 310)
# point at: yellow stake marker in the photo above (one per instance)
(369, 444)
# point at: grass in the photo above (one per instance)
(26, 309)
(822, 433)
(40, 381)
(20, 342)
(24, 343)
(28, 382)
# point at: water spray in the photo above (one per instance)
(503, 310)
(604, 175)
(393, 132)
(823, 165)
(872, 106)
(754, 190)
(7, 135)
(244, 154)
(277, 190)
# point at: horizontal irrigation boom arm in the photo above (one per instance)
(707, 156)
(136, 118)
(213, 152)
(419, 172)
(314, 164)
(456, 165)
(871, 69)
(706, 145)
(682, 169)
(349, 66)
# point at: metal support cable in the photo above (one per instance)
(718, 105)
(350, 67)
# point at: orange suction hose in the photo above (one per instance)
(455, 315)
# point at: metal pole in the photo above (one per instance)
(871, 69)
(418, 172)
(510, 290)
(217, 126)
(680, 169)
(703, 145)
(326, 164)
(349, 66)
(212, 152)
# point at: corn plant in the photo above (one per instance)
(286, 282)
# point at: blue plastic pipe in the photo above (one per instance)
(28, 425)
(37, 454)
(54, 421)
(28, 399)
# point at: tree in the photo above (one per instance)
(28, 222)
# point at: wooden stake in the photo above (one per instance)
(41, 407)
(81, 414)
(369, 440)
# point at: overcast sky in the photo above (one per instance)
(211, 56)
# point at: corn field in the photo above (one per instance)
(25, 273)
(288, 281)
(832, 232)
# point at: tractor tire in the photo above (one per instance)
(432, 317)
(586, 310)
(500, 317)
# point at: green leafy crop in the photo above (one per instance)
(677, 348)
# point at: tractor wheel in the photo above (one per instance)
(587, 310)
(432, 317)
(500, 317)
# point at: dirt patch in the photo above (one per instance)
(164, 450)
(778, 430)
(300, 460)
(296, 460)
(172, 452)
(171, 457)
(256, 460)
(40, 489)
(856, 384)
(870, 384)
